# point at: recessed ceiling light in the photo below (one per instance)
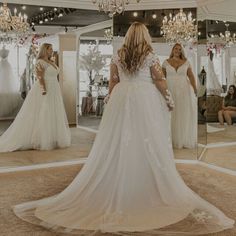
(154, 16)
(135, 14)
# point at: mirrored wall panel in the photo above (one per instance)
(184, 124)
(221, 94)
(95, 53)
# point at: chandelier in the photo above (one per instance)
(229, 40)
(225, 39)
(108, 35)
(112, 7)
(179, 28)
(12, 24)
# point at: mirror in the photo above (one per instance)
(95, 52)
(65, 45)
(221, 129)
(153, 20)
(201, 82)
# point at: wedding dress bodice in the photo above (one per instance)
(180, 72)
(50, 72)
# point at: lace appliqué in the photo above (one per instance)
(169, 99)
(201, 216)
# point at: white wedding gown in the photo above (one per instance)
(129, 184)
(41, 122)
(184, 116)
(10, 99)
(213, 84)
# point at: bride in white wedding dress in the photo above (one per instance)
(129, 184)
(182, 85)
(41, 123)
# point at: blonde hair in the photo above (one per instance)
(182, 55)
(136, 47)
(43, 50)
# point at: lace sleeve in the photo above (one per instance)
(40, 71)
(114, 74)
(156, 69)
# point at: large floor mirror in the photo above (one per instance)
(220, 111)
(153, 20)
(95, 50)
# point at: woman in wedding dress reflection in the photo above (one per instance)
(10, 100)
(129, 184)
(41, 123)
(228, 110)
(182, 85)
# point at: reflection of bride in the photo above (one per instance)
(41, 122)
(129, 184)
(10, 98)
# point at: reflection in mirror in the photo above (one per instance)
(95, 57)
(163, 51)
(221, 102)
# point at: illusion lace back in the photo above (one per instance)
(184, 116)
(129, 184)
(41, 122)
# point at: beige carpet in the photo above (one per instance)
(81, 144)
(221, 156)
(227, 135)
(217, 188)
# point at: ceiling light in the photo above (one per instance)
(135, 14)
(112, 6)
(154, 16)
(23, 7)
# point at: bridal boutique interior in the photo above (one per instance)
(84, 41)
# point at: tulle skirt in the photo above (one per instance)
(41, 122)
(129, 184)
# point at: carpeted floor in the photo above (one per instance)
(82, 142)
(217, 188)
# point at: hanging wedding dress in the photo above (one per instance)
(184, 116)
(213, 84)
(41, 123)
(10, 100)
(129, 184)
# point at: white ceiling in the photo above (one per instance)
(217, 10)
(87, 4)
(207, 9)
